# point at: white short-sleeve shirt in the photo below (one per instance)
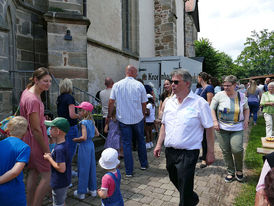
(151, 117)
(185, 122)
(129, 95)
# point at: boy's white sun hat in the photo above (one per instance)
(109, 159)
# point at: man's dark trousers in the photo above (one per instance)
(180, 164)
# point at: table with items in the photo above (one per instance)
(267, 145)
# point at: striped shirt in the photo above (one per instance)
(229, 111)
(129, 95)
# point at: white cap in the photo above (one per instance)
(149, 96)
(109, 159)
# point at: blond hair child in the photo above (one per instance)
(86, 152)
(14, 155)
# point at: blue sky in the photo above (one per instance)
(227, 23)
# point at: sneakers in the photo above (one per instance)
(129, 176)
(229, 178)
(240, 177)
(79, 196)
(93, 193)
(148, 145)
(151, 144)
(143, 168)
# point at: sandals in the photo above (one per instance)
(229, 178)
(240, 177)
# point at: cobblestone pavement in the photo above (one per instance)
(152, 186)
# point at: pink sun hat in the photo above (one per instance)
(86, 106)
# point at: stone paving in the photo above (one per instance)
(152, 186)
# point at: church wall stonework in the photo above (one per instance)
(190, 36)
(23, 47)
(165, 28)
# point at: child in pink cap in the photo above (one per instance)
(86, 152)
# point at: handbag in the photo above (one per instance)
(4, 124)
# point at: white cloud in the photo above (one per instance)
(227, 23)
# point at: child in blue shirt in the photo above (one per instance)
(14, 155)
(59, 159)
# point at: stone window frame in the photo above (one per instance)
(130, 26)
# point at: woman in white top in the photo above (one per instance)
(230, 114)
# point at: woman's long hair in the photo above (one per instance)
(167, 93)
(252, 88)
(39, 74)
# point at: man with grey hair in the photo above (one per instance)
(184, 119)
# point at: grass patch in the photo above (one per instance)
(254, 163)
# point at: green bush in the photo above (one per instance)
(253, 162)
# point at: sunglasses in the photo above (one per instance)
(175, 82)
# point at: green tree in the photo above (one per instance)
(257, 56)
(217, 64)
(225, 64)
(203, 48)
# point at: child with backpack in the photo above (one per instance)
(110, 189)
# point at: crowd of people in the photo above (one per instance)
(186, 121)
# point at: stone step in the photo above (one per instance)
(99, 143)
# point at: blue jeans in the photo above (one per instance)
(254, 108)
(127, 130)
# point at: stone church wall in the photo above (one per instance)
(165, 28)
(190, 36)
(23, 47)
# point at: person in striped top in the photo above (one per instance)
(130, 98)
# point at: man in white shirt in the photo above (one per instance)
(130, 97)
(184, 119)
